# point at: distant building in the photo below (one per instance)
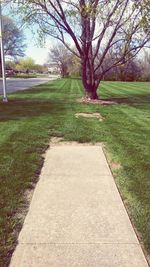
(53, 68)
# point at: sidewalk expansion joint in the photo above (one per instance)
(97, 243)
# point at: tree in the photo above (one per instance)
(67, 62)
(10, 65)
(12, 38)
(144, 7)
(95, 27)
(62, 57)
(128, 71)
(75, 68)
(26, 64)
(145, 67)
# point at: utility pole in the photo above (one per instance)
(2, 58)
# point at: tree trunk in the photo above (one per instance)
(87, 60)
(88, 80)
(0, 66)
(90, 92)
(64, 70)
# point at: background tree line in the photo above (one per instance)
(137, 69)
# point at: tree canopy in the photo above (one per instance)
(13, 38)
(26, 64)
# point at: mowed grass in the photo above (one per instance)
(32, 117)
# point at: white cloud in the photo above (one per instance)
(40, 55)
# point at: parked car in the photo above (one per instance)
(9, 72)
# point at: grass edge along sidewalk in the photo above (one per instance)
(31, 117)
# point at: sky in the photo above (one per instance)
(39, 54)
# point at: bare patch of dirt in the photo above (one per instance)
(56, 140)
(115, 166)
(97, 101)
(111, 101)
(21, 214)
(89, 115)
(60, 141)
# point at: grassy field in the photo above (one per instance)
(32, 117)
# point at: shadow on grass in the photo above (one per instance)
(45, 104)
(42, 88)
(132, 100)
(17, 109)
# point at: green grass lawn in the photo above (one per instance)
(32, 117)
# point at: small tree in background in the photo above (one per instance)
(62, 57)
(75, 68)
(26, 64)
(67, 62)
(10, 64)
(145, 67)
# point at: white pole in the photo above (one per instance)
(2, 59)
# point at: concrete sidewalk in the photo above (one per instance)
(77, 217)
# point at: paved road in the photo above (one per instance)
(77, 217)
(22, 84)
